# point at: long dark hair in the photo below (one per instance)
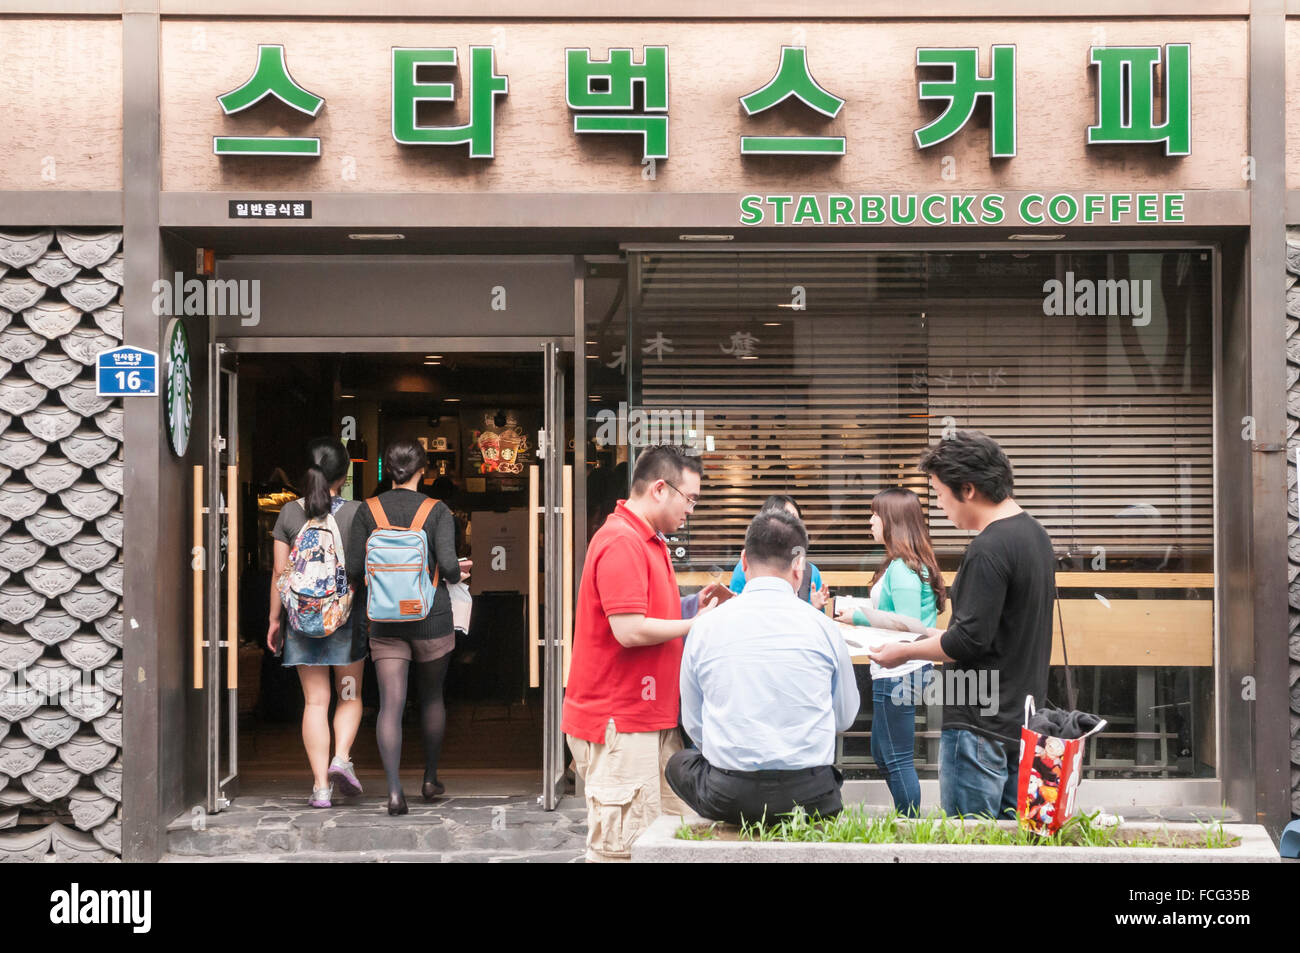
(902, 523)
(327, 463)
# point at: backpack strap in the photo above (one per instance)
(422, 514)
(377, 511)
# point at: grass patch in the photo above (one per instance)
(856, 825)
(698, 832)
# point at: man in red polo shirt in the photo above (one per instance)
(621, 704)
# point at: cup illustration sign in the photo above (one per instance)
(489, 442)
(513, 442)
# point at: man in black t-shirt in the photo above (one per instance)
(999, 639)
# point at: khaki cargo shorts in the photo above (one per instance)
(625, 787)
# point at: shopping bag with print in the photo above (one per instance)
(1051, 764)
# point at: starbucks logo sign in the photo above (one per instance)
(179, 401)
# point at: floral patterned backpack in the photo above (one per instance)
(314, 585)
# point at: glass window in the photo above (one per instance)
(823, 375)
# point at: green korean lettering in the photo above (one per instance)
(793, 78)
(621, 75)
(963, 90)
(270, 78)
(618, 76)
(485, 85)
(1126, 97)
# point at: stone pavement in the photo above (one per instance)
(491, 829)
(488, 828)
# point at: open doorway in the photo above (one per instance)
(477, 415)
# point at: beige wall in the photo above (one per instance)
(61, 104)
(711, 64)
(1292, 107)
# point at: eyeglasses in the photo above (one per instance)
(691, 501)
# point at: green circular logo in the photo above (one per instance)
(179, 402)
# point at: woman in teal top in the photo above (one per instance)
(909, 583)
(811, 588)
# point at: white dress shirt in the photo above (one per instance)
(767, 681)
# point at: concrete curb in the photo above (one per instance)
(658, 845)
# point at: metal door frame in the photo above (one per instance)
(558, 522)
(221, 608)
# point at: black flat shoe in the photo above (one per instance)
(397, 805)
(432, 789)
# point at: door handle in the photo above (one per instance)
(534, 677)
(198, 562)
(232, 578)
(567, 627)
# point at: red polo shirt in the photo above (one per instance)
(628, 570)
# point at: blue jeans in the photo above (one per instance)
(977, 775)
(893, 729)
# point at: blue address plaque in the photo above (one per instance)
(127, 372)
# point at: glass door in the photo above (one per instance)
(216, 580)
(550, 602)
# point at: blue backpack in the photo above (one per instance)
(399, 585)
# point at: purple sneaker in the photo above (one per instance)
(320, 797)
(341, 773)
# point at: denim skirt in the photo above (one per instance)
(337, 648)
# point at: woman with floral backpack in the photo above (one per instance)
(310, 581)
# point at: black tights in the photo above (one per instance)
(429, 676)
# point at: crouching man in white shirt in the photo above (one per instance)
(766, 682)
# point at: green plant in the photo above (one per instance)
(855, 825)
(686, 832)
(1216, 836)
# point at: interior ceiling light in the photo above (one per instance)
(376, 236)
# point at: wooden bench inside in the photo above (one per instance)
(1119, 631)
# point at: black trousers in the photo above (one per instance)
(736, 796)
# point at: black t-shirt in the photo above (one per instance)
(1001, 622)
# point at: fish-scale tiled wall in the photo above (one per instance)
(60, 547)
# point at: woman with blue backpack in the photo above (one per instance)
(311, 537)
(404, 543)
